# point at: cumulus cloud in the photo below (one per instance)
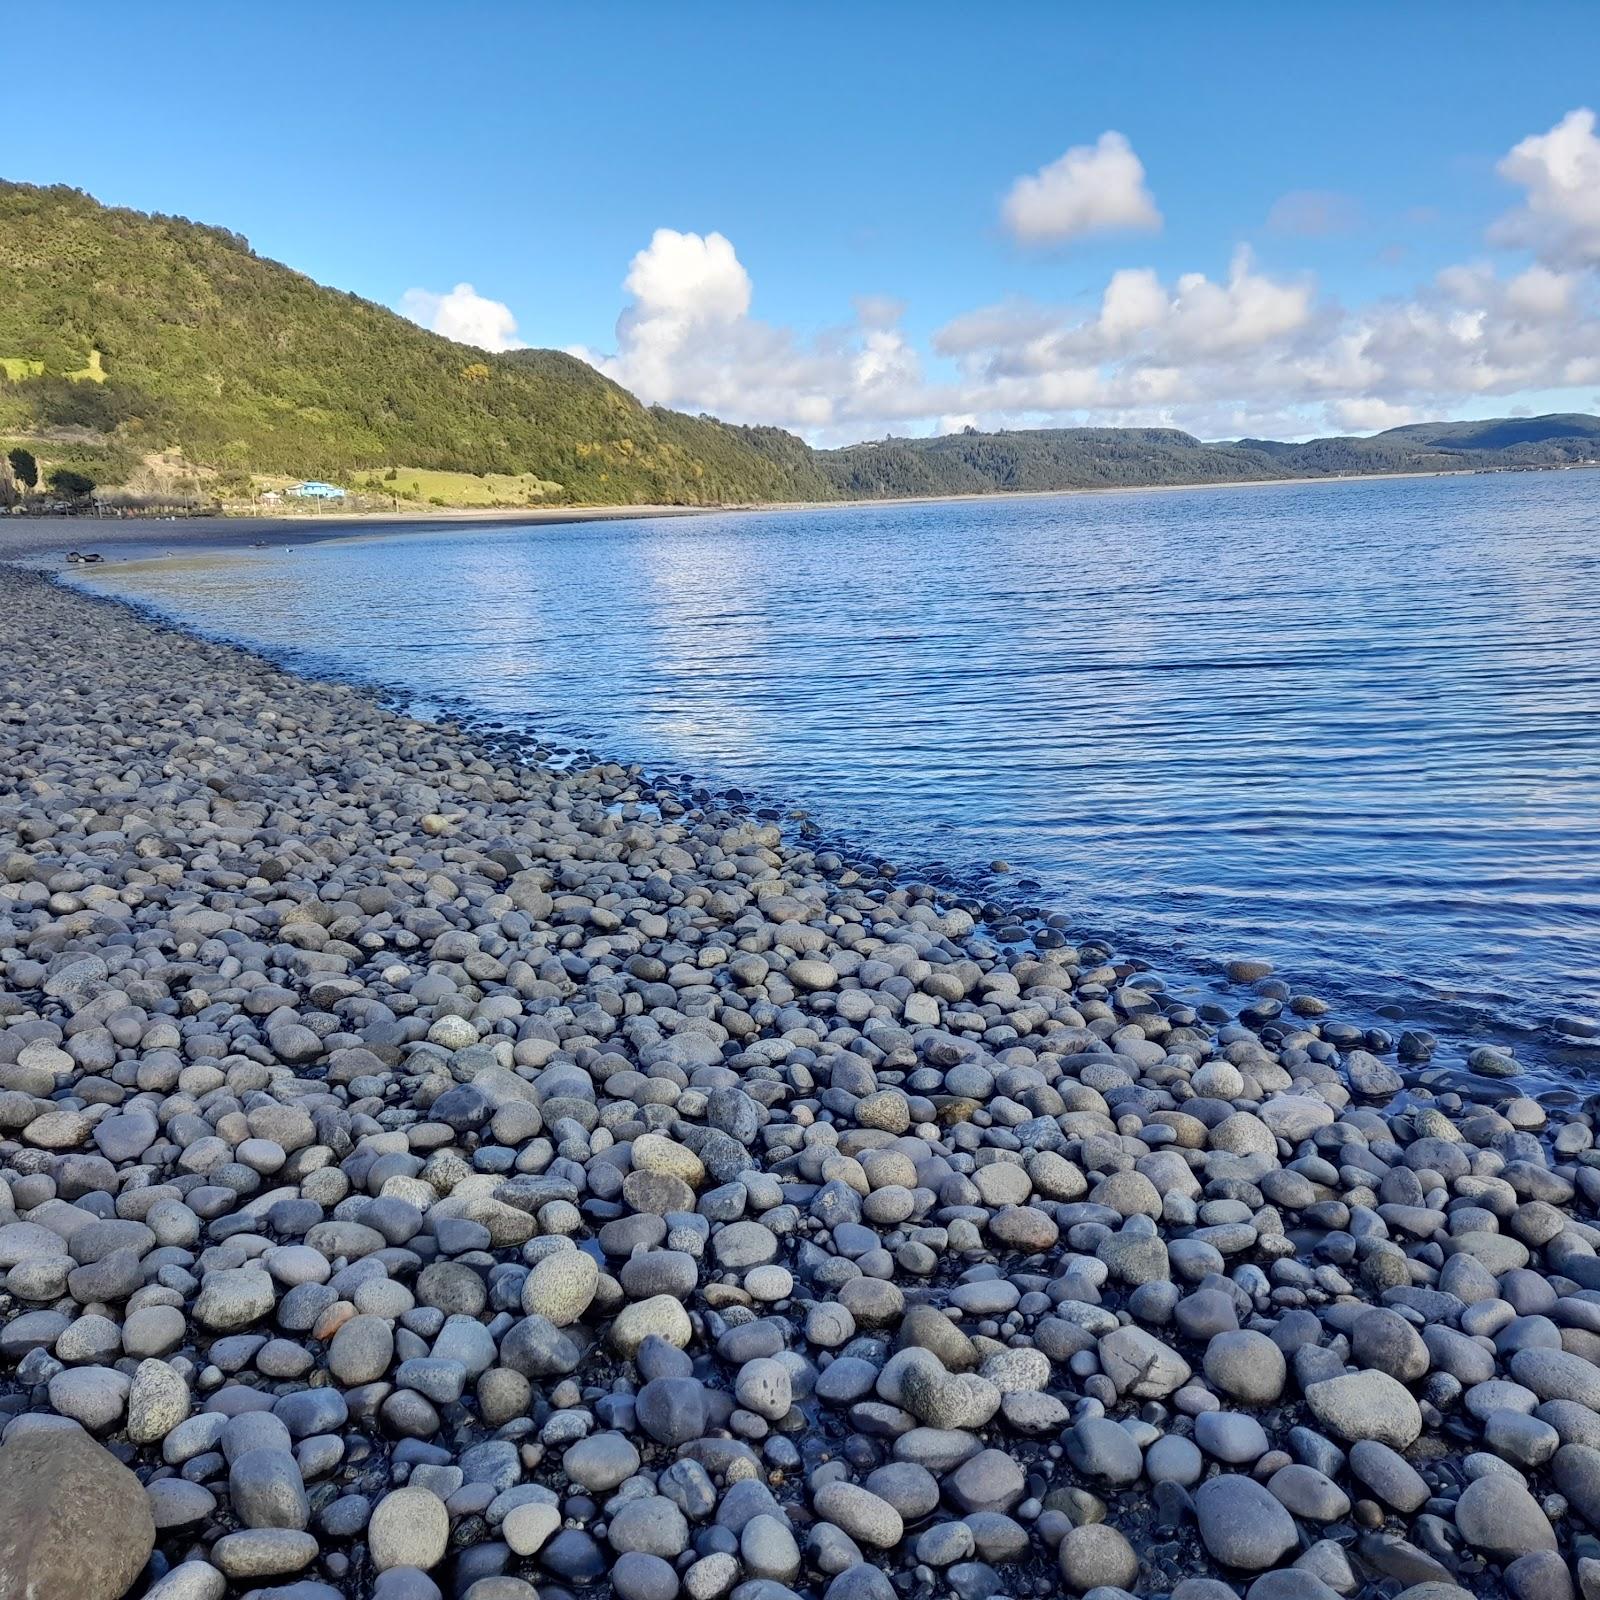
(1370, 414)
(688, 339)
(1476, 332)
(683, 278)
(1096, 188)
(689, 294)
(1142, 326)
(1010, 321)
(1255, 355)
(1559, 218)
(1224, 354)
(1541, 293)
(465, 316)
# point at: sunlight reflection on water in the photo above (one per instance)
(1353, 727)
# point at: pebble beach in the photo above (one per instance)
(425, 1172)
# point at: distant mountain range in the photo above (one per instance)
(163, 355)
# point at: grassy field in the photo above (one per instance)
(419, 486)
(94, 372)
(16, 368)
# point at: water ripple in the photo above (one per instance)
(1354, 727)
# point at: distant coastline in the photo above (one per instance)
(1160, 488)
(143, 537)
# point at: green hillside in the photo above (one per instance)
(123, 334)
(1103, 458)
(1498, 442)
(147, 350)
(1040, 459)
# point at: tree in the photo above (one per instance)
(25, 467)
(71, 485)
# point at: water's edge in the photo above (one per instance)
(1567, 1070)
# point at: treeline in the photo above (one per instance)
(1103, 458)
(1039, 459)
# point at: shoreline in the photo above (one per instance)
(416, 1144)
(1546, 1059)
(28, 537)
(1138, 488)
(1548, 1056)
(23, 538)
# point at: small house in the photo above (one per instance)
(315, 491)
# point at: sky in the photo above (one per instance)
(860, 219)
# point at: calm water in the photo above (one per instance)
(1353, 727)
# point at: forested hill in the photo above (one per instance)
(149, 351)
(124, 336)
(1099, 458)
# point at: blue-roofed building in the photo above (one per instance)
(315, 491)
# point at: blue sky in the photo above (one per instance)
(856, 162)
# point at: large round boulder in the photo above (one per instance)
(74, 1522)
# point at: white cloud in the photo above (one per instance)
(463, 315)
(1141, 325)
(1249, 310)
(1013, 319)
(1133, 303)
(1245, 352)
(688, 340)
(1559, 219)
(1541, 293)
(1249, 353)
(1370, 414)
(1094, 188)
(688, 292)
(1256, 355)
(687, 278)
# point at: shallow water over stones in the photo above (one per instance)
(1352, 727)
